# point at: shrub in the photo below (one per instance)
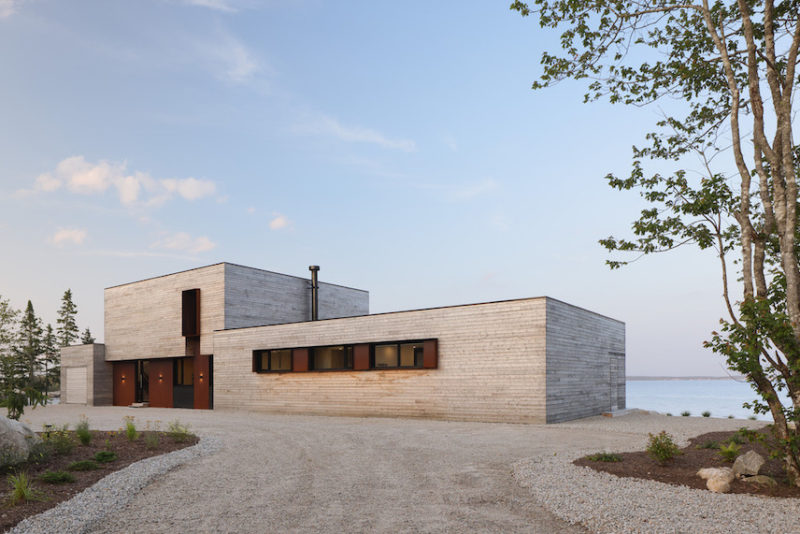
(82, 431)
(105, 456)
(22, 489)
(57, 477)
(669, 414)
(151, 440)
(752, 417)
(60, 440)
(706, 414)
(178, 432)
(730, 451)
(686, 413)
(709, 445)
(83, 465)
(730, 417)
(604, 457)
(130, 428)
(40, 452)
(662, 448)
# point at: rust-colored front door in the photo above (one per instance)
(124, 387)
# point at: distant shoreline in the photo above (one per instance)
(632, 378)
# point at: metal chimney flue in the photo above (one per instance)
(314, 292)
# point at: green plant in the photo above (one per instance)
(83, 465)
(130, 428)
(60, 440)
(151, 440)
(82, 431)
(709, 445)
(669, 414)
(57, 477)
(105, 456)
(604, 457)
(22, 489)
(686, 413)
(730, 417)
(40, 452)
(706, 414)
(730, 451)
(752, 417)
(178, 432)
(662, 448)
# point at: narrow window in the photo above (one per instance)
(385, 356)
(183, 372)
(411, 354)
(266, 361)
(190, 324)
(328, 358)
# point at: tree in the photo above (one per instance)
(18, 368)
(8, 326)
(29, 342)
(86, 337)
(67, 328)
(52, 358)
(734, 64)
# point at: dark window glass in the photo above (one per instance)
(280, 360)
(338, 357)
(411, 355)
(183, 372)
(385, 356)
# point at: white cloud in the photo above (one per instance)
(183, 242)
(218, 5)
(83, 177)
(8, 8)
(64, 236)
(279, 221)
(329, 126)
(229, 59)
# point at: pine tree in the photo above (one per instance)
(8, 326)
(52, 358)
(18, 367)
(67, 328)
(29, 342)
(87, 338)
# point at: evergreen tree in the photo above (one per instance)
(8, 327)
(30, 342)
(52, 358)
(18, 366)
(87, 338)
(67, 328)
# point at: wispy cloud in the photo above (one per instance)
(229, 59)
(328, 126)
(183, 242)
(85, 178)
(64, 236)
(278, 221)
(218, 5)
(8, 8)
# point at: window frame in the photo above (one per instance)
(257, 359)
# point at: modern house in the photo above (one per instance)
(228, 336)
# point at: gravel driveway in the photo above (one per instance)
(330, 474)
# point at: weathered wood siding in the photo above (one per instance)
(254, 297)
(585, 362)
(491, 366)
(98, 371)
(143, 319)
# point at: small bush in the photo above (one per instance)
(737, 438)
(178, 432)
(604, 457)
(60, 440)
(57, 477)
(662, 448)
(83, 465)
(730, 451)
(709, 445)
(151, 440)
(104, 457)
(706, 414)
(40, 452)
(752, 417)
(669, 414)
(22, 489)
(730, 417)
(82, 431)
(686, 413)
(130, 428)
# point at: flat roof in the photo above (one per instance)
(234, 265)
(427, 309)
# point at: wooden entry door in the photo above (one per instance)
(124, 388)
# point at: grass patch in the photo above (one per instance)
(104, 457)
(22, 489)
(82, 431)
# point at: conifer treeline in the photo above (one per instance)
(30, 361)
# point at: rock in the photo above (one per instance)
(748, 464)
(718, 479)
(763, 480)
(16, 440)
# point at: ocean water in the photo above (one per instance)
(722, 397)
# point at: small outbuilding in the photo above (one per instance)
(229, 336)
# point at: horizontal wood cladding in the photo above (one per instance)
(585, 363)
(98, 371)
(490, 366)
(144, 319)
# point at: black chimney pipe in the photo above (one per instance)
(314, 292)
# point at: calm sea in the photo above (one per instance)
(722, 397)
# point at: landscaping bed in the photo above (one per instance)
(701, 452)
(64, 456)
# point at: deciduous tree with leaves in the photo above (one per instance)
(733, 63)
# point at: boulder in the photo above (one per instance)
(16, 440)
(762, 480)
(718, 479)
(748, 464)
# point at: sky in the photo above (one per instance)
(398, 145)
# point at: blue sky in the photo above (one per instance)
(396, 144)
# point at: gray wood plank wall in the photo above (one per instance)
(585, 362)
(98, 372)
(491, 366)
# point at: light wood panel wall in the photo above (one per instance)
(98, 372)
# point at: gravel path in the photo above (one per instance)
(328, 474)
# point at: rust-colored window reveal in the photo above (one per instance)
(422, 354)
(190, 301)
